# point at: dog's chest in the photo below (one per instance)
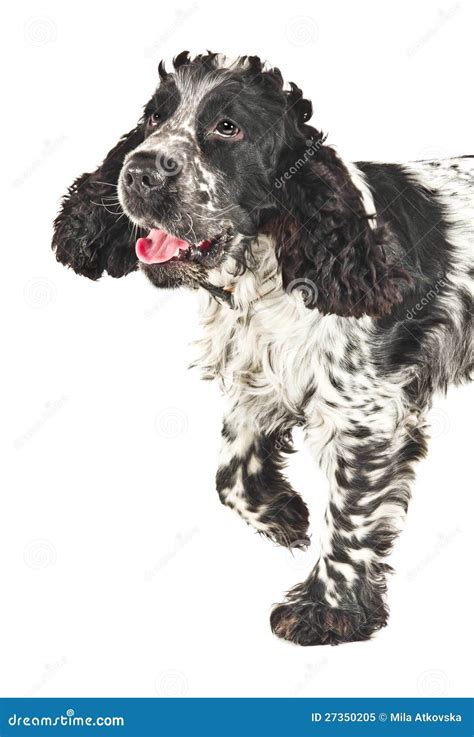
(275, 354)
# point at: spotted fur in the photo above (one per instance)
(339, 299)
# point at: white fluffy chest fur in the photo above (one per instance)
(283, 360)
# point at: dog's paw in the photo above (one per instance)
(310, 623)
(286, 521)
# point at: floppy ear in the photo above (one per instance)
(91, 234)
(330, 246)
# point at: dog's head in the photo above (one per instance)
(223, 154)
(201, 181)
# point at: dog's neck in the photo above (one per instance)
(262, 314)
(260, 280)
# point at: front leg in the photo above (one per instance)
(250, 480)
(343, 599)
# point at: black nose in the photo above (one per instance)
(142, 175)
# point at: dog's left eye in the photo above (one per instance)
(227, 129)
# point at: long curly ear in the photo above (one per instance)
(91, 234)
(330, 246)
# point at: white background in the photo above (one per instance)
(121, 574)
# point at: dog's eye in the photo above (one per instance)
(153, 120)
(227, 129)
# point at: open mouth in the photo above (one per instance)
(159, 247)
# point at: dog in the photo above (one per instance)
(334, 296)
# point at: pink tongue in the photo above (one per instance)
(158, 247)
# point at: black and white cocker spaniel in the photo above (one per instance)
(335, 296)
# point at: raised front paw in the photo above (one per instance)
(279, 514)
(285, 520)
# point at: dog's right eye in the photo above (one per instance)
(153, 120)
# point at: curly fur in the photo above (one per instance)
(336, 297)
(88, 236)
(330, 240)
